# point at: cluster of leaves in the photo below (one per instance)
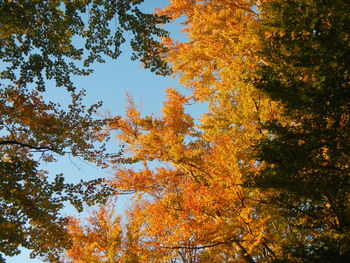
(50, 41)
(103, 239)
(40, 39)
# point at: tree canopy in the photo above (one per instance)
(193, 206)
(262, 176)
(45, 43)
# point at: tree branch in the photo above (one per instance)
(12, 142)
(195, 247)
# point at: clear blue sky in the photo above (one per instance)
(109, 83)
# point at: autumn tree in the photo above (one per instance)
(305, 45)
(196, 201)
(55, 40)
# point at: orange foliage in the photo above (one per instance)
(99, 241)
(198, 201)
(192, 200)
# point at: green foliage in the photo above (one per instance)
(306, 47)
(39, 39)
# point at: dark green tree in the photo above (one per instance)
(306, 50)
(54, 40)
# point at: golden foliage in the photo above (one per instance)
(191, 198)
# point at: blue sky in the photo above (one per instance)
(109, 83)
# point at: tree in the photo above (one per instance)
(38, 42)
(197, 199)
(305, 45)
